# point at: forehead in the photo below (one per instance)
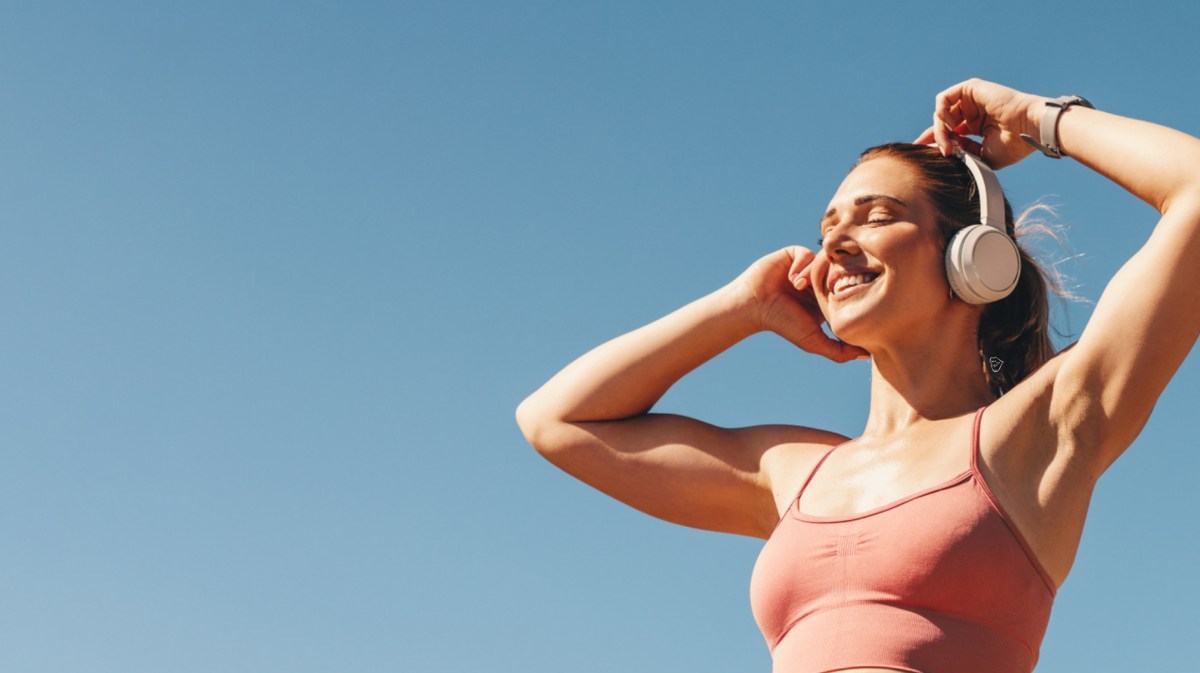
(885, 175)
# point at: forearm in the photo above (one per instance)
(1155, 163)
(627, 375)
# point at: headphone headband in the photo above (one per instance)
(991, 197)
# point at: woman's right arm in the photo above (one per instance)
(591, 419)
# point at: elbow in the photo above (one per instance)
(544, 430)
(531, 422)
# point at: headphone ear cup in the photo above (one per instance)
(982, 264)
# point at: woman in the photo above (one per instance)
(936, 540)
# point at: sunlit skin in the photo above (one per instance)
(926, 363)
(1041, 446)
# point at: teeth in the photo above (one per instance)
(847, 281)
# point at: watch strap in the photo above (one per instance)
(1049, 127)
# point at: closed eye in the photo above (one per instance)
(875, 220)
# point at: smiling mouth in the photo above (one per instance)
(853, 289)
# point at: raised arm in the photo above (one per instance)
(1148, 318)
(591, 419)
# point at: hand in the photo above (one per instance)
(996, 113)
(783, 302)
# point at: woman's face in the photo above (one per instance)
(880, 220)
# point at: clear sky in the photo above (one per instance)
(275, 276)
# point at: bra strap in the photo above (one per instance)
(817, 467)
(975, 440)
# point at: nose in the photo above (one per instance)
(839, 240)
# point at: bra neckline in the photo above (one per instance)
(794, 508)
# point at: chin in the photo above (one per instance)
(857, 331)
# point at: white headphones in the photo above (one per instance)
(983, 263)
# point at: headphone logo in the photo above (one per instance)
(996, 363)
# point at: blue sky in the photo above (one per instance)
(275, 277)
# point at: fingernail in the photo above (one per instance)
(863, 357)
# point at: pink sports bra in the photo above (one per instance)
(940, 581)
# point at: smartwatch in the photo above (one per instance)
(1049, 131)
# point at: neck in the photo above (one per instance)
(922, 379)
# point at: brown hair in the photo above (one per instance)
(1013, 329)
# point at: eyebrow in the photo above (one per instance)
(865, 198)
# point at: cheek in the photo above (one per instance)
(929, 275)
(817, 275)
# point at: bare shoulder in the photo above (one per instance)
(789, 455)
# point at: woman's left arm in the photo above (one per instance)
(1148, 318)
(1159, 165)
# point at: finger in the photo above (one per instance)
(952, 94)
(860, 353)
(972, 115)
(959, 112)
(925, 138)
(969, 110)
(807, 277)
(945, 108)
(945, 136)
(939, 133)
(953, 139)
(801, 258)
(971, 146)
(967, 144)
(849, 352)
(810, 269)
(799, 281)
(819, 343)
(958, 121)
(842, 352)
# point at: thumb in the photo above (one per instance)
(845, 352)
(819, 343)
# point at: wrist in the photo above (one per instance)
(1046, 122)
(1034, 112)
(743, 308)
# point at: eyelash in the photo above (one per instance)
(821, 241)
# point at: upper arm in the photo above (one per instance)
(1144, 326)
(675, 468)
